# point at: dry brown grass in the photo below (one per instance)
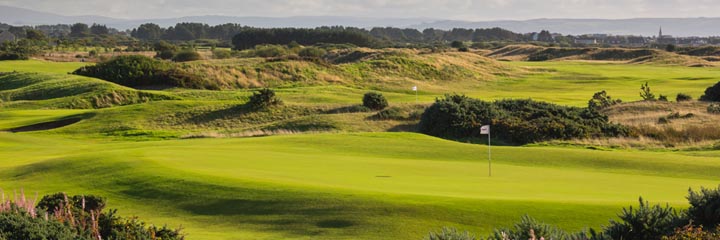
(702, 129)
(71, 56)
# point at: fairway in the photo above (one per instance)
(335, 186)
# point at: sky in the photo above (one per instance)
(433, 9)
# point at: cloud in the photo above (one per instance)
(440, 9)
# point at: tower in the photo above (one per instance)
(660, 35)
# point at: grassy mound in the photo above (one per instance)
(39, 90)
(383, 69)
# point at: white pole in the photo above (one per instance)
(489, 158)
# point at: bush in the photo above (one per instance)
(704, 207)
(375, 101)
(20, 225)
(713, 108)
(520, 121)
(137, 71)
(268, 51)
(89, 203)
(645, 222)
(529, 228)
(450, 234)
(662, 98)
(187, 56)
(645, 92)
(263, 98)
(690, 232)
(682, 97)
(712, 94)
(601, 100)
(312, 52)
(222, 54)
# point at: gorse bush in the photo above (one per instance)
(60, 217)
(187, 56)
(529, 228)
(704, 207)
(644, 222)
(602, 100)
(375, 101)
(519, 121)
(682, 97)
(713, 108)
(312, 52)
(712, 94)
(263, 98)
(139, 71)
(450, 234)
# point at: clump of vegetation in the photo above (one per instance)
(138, 71)
(521, 121)
(644, 222)
(663, 98)
(682, 97)
(645, 93)
(448, 233)
(263, 98)
(601, 100)
(704, 207)
(375, 101)
(63, 217)
(165, 50)
(712, 94)
(399, 114)
(222, 54)
(312, 52)
(713, 108)
(187, 55)
(691, 232)
(529, 228)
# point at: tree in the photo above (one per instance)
(148, 31)
(79, 30)
(35, 35)
(98, 29)
(645, 93)
(374, 101)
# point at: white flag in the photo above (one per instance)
(415, 88)
(485, 129)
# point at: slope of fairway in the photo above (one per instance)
(348, 186)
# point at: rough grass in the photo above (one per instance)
(348, 186)
(45, 90)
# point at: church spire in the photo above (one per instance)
(660, 35)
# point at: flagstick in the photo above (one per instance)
(489, 158)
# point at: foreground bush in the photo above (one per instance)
(375, 101)
(516, 121)
(529, 228)
(704, 207)
(644, 222)
(682, 97)
(712, 94)
(139, 71)
(61, 217)
(450, 234)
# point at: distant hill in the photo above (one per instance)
(639, 26)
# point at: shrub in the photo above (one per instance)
(187, 56)
(662, 98)
(520, 121)
(601, 100)
(89, 203)
(374, 101)
(690, 232)
(137, 71)
(645, 93)
(312, 52)
(704, 207)
(645, 222)
(448, 233)
(222, 54)
(263, 98)
(713, 108)
(529, 228)
(268, 51)
(682, 97)
(712, 94)
(20, 225)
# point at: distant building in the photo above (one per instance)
(6, 36)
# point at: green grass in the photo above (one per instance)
(346, 185)
(336, 186)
